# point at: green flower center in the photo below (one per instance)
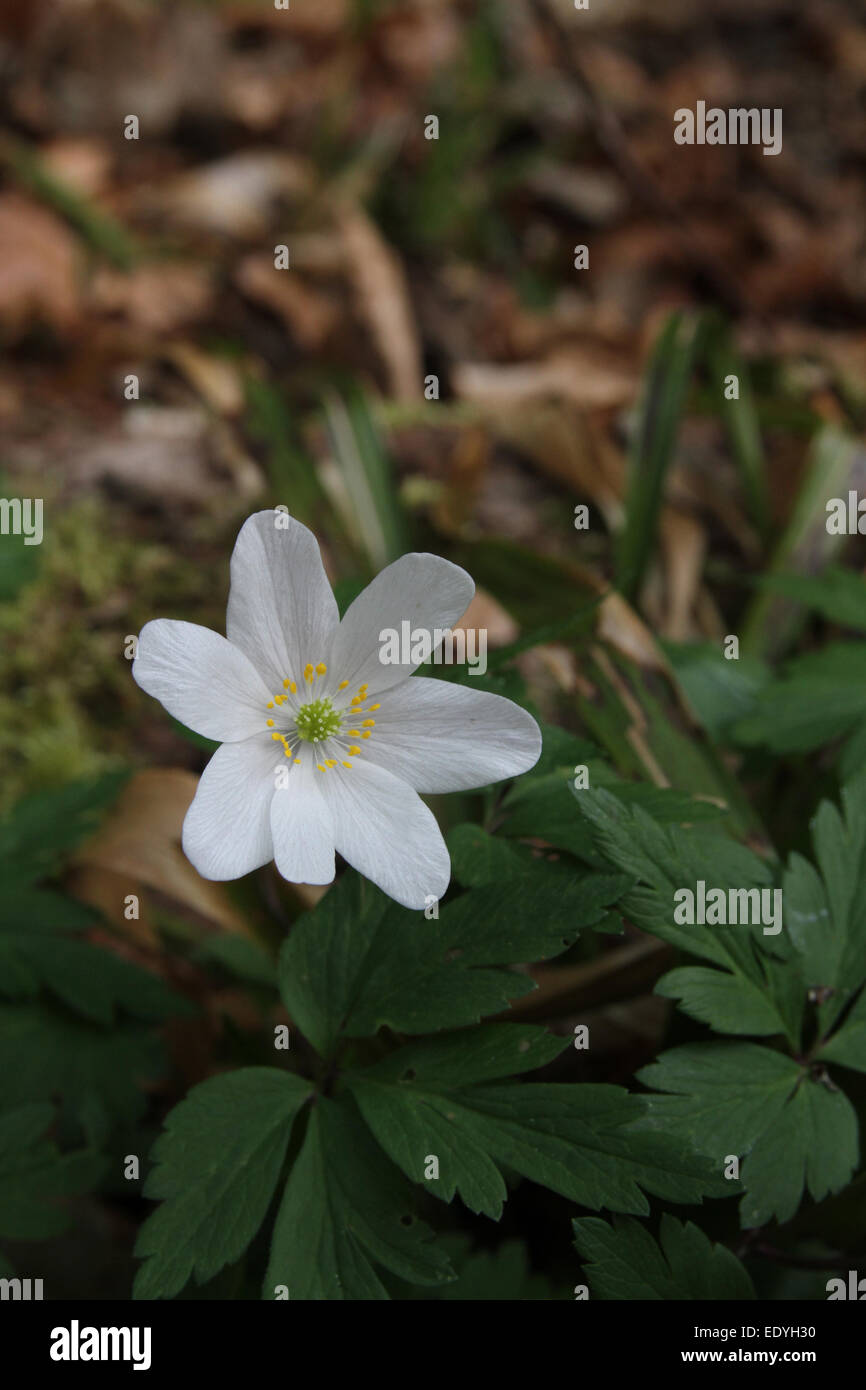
(317, 721)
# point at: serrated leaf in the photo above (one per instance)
(358, 962)
(728, 1003)
(346, 1210)
(33, 1173)
(217, 1165)
(824, 913)
(820, 696)
(91, 980)
(847, 1046)
(625, 1262)
(667, 858)
(581, 1141)
(742, 1099)
(97, 1073)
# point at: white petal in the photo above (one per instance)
(301, 825)
(281, 609)
(423, 590)
(201, 679)
(227, 829)
(384, 830)
(441, 737)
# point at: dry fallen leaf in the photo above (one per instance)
(40, 266)
(139, 848)
(589, 377)
(156, 298)
(384, 301)
(308, 315)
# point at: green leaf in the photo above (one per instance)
(838, 594)
(43, 827)
(667, 858)
(652, 449)
(217, 1165)
(728, 1003)
(240, 957)
(33, 1173)
(625, 1262)
(97, 1072)
(91, 980)
(847, 1046)
(478, 858)
(821, 696)
(742, 1099)
(824, 914)
(344, 1211)
(358, 962)
(581, 1141)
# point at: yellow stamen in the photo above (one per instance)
(280, 699)
(347, 764)
(357, 700)
(276, 736)
(330, 762)
(342, 685)
(308, 672)
(365, 735)
(354, 750)
(321, 668)
(372, 707)
(369, 723)
(270, 704)
(321, 769)
(354, 733)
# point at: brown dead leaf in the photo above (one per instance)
(138, 848)
(590, 377)
(307, 314)
(40, 265)
(384, 301)
(217, 380)
(156, 298)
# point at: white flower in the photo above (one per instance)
(324, 748)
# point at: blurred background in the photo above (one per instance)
(433, 370)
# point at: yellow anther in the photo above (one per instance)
(330, 762)
(354, 750)
(280, 699)
(287, 752)
(347, 764)
(372, 707)
(297, 760)
(286, 683)
(369, 723)
(354, 733)
(270, 723)
(276, 736)
(367, 735)
(321, 768)
(357, 700)
(270, 704)
(293, 687)
(342, 685)
(308, 672)
(321, 668)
